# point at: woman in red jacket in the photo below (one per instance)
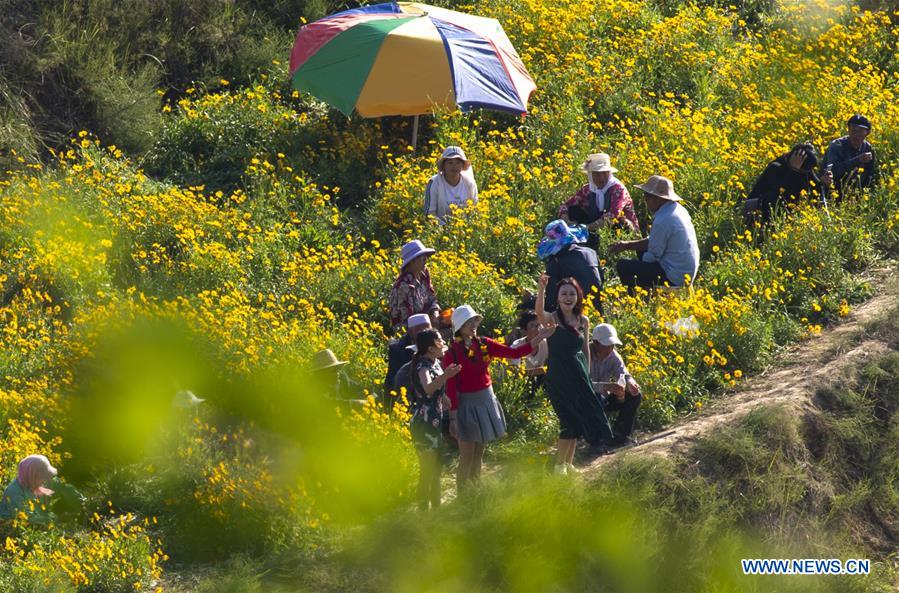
(476, 418)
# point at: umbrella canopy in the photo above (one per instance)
(405, 58)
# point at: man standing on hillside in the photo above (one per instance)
(399, 352)
(670, 255)
(851, 158)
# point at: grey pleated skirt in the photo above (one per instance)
(480, 418)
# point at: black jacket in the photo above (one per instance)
(580, 263)
(397, 356)
(779, 184)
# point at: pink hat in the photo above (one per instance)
(33, 472)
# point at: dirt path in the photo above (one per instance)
(793, 376)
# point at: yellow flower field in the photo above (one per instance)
(238, 229)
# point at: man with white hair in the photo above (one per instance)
(670, 255)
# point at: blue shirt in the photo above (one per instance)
(673, 244)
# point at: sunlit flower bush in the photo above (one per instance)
(238, 230)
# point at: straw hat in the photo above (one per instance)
(605, 334)
(661, 187)
(325, 359)
(413, 249)
(598, 163)
(463, 314)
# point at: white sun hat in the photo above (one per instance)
(463, 314)
(605, 334)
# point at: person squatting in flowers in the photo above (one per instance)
(32, 490)
(453, 185)
(603, 201)
(618, 390)
(670, 255)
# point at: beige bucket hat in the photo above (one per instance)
(325, 359)
(661, 187)
(598, 163)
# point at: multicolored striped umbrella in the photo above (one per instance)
(405, 58)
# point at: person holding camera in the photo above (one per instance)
(785, 180)
(851, 158)
(613, 383)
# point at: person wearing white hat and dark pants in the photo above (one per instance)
(604, 200)
(476, 417)
(399, 354)
(670, 255)
(412, 292)
(611, 381)
(453, 186)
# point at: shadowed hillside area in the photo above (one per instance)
(179, 223)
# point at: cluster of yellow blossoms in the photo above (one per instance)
(270, 271)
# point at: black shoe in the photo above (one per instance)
(622, 441)
(598, 449)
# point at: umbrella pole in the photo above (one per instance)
(414, 132)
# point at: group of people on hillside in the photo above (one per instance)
(849, 162)
(442, 365)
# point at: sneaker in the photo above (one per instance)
(603, 448)
(572, 469)
(560, 469)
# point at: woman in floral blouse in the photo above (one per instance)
(412, 292)
(602, 201)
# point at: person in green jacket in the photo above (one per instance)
(29, 492)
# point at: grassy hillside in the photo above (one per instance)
(173, 215)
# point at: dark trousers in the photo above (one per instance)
(627, 413)
(634, 272)
(535, 382)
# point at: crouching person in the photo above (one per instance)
(618, 391)
(29, 493)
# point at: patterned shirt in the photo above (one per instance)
(617, 201)
(410, 296)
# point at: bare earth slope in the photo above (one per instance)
(793, 377)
